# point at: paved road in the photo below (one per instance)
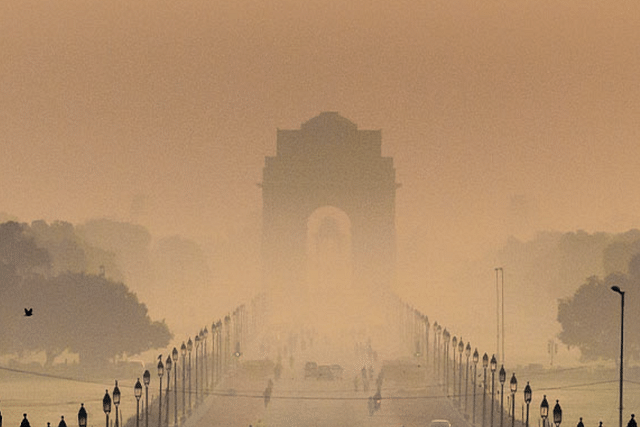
(299, 402)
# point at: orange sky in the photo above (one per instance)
(502, 116)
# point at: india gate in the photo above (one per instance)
(328, 232)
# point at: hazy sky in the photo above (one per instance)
(501, 116)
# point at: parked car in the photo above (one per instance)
(311, 370)
(325, 373)
(336, 371)
(440, 423)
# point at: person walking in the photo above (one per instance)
(632, 422)
(580, 424)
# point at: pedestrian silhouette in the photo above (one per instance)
(25, 421)
(28, 312)
(632, 421)
(62, 423)
(580, 424)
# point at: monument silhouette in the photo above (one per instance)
(328, 231)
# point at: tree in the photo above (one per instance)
(590, 319)
(89, 315)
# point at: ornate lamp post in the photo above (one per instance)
(160, 374)
(467, 352)
(146, 379)
(116, 401)
(476, 357)
(454, 345)
(513, 385)
(82, 416)
(189, 348)
(460, 351)
(617, 289)
(544, 410)
(557, 414)
(494, 365)
(436, 348)
(426, 339)
(137, 391)
(197, 346)
(106, 405)
(527, 400)
(502, 376)
(168, 364)
(445, 357)
(174, 356)
(205, 333)
(485, 363)
(183, 352)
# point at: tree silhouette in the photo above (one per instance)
(590, 319)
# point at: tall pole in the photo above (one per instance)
(497, 315)
(617, 289)
(502, 283)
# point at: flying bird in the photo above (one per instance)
(28, 312)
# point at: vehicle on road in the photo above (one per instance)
(439, 423)
(325, 372)
(310, 370)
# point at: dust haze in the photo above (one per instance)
(508, 124)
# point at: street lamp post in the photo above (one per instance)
(160, 374)
(544, 410)
(174, 356)
(557, 414)
(168, 364)
(446, 336)
(476, 357)
(454, 345)
(183, 352)
(205, 383)
(527, 400)
(617, 289)
(82, 416)
(514, 387)
(137, 391)
(197, 345)
(460, 350)
(502, 376)
(146, 379)
(467, 352)
(106, 405)
(189, 348)
(485, 363)
(116, 401)
(494, 365)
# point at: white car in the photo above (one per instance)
(440, 423)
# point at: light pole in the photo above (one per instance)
(174, 356)
(189, 348)
(445, 358)
(167, 364)
(183, 352)
(467, 352)
(454, 345)
(513, 384)
(494, 365)
(527, 400)
(617, 289)
(557, 414)
(476, 357)
(146, 379)
(137, 391)
(460, 350)
(544, 410)
(205, 384)
(197, 345)
(116, 401)
(502, 376)
(82, 416)
(485, 363)
(106, 405)
(160, 373)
